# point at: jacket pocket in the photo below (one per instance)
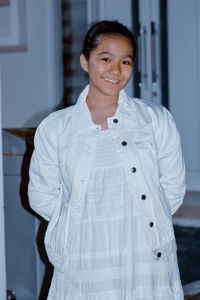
(55, 237)
(147, 156)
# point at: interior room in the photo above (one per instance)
(40, 72)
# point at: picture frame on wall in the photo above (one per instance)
(12, 25)
(4, 2)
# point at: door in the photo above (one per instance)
(148, 75)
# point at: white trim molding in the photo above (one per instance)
(2, 230)
(109, 10)
(92, 12)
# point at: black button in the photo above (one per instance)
(115, 121)
(124, 143)
(159, 254)
(151, 224)
(133, 169)
(143, 197)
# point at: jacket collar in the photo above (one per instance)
(82, 119)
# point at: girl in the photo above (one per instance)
(108, 173)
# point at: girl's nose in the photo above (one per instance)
(116, 68)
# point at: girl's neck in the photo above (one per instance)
(101, 107)
(98, 100)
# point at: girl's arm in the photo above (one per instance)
(171, 162)
(44, 183)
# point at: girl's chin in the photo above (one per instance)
(111, 92)
(107, 89)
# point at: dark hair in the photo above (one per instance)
(105, 28)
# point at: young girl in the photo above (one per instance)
(108, 173)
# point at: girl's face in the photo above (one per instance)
(109, 66)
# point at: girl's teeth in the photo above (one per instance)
(111, 80)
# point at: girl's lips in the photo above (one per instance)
(111, 80)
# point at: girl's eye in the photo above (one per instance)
(126, 62)
(106, 59)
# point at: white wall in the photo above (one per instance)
(184, 78)
(32, 79)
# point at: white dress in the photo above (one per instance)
(110, 258)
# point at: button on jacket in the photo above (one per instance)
(150, 151)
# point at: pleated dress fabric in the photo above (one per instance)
(110, 258)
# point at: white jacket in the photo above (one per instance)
(150, 152)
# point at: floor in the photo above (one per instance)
(188, 245)
(193, 298)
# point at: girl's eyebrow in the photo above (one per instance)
(130, 56)
(108, 53)
(104, 52)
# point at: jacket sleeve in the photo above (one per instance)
(44, 175)
(170, 158)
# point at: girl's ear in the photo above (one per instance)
(84, 62)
